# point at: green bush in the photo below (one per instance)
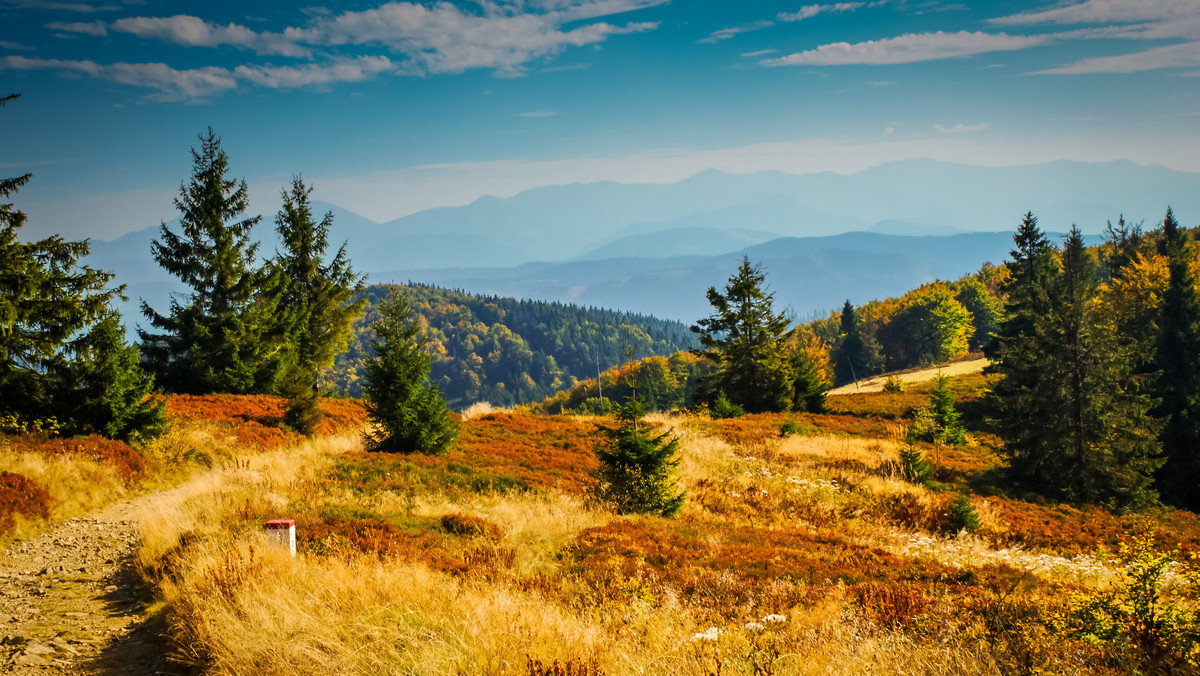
(723, 408)
(1150, 624)
(963, 515)
(893, 384)
(913, 465)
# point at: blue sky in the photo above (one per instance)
(389, 108)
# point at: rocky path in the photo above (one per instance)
(69, 602)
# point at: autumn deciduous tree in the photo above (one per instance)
(935, 326)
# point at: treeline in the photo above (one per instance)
(508, 351)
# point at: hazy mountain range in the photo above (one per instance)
(655, 248)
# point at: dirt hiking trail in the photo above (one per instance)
(68, 600)
(875, 384)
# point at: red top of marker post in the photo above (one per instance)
(281, 523)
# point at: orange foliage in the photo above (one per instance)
(254, 419)
(544, 451)
(120, 456)
(1073, 530)
(21, 495)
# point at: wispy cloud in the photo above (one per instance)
(191, 31)
(1123, 19)
(761, 52)
(910, 48)
(168, 83)
(726, 33)
(98, 28)
(961, 128)
(1105, 11)
(320, 75)
(15, 46)
(445, 39)
(54, 6)
(809, 11)
(538, 113)
(1186, 55)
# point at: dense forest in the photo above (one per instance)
(508, 351)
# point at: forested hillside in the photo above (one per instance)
(507, 351)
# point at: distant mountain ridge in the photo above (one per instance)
(655, 248)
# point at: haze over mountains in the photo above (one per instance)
(655, 248)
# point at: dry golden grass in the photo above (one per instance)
(234, 606)
(77, 486)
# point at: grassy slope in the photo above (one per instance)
(805, 554)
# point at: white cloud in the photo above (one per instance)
(53, 6)
(15, 46)
(1106, 11)
(961, 128)
(169, 84)
(761, 52)
(98, 28)
(1186, 55)
(191, 31)
(910, 48)
(348, 70)
(538, 113)
(726, 33)
(444, 39)
(809, 11)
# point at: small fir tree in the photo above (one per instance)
(407, 413)
(808, 389)
(637, 469)
(938, 421)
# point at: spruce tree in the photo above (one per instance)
(637, 469)
(857, 354)
(744, 337)
(1022, 361)
(62, 348)
(808, 388)
(314, 305)
(407, 413)
(223, 337)
(1178, 362)
(1074, 423)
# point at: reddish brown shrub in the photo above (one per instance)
(21, 495)
(471, 526)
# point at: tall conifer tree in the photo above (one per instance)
(314, 305)
(220, 338)
(857, 353)
(1178, 360)
(1074, 423)
(744, 337)
(62, 347)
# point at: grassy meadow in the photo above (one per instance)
(806, 553)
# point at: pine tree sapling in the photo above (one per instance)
(637, 469)
(962, 515)
(407, 413)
